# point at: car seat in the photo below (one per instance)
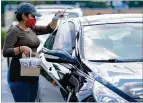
(105, 43)
(133, 44)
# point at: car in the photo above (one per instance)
(49, 9)
(105, 61)
(54, 6)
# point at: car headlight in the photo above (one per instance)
(103, 94)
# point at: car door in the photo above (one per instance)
(55, 71)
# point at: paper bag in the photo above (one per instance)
(30, 66)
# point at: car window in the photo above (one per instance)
(73, 33)
(50, 40)
(113, 41)
(49, 44)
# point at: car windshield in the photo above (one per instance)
(113, 41)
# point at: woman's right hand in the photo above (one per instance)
(26, 50)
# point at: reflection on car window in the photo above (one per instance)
(113, 41)
(51, 42)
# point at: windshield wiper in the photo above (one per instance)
(118, 60)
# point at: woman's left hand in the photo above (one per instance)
(58, 15)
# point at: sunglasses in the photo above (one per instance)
(33, 15)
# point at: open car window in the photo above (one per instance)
(50, 42)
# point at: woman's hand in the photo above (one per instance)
(26, 50)
(58, 15)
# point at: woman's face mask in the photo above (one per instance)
(30, 22)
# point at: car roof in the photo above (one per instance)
(110, 18)
(53, 6)
(55, 10)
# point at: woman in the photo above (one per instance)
(20, 39)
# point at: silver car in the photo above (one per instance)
(106, 61)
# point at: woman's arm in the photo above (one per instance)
(45, 29)
(50, 27)
(40, 30)
(10, 40)
(53, 23)
(9, 50)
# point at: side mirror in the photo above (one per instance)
(58, 56)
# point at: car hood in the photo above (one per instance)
(128, 77)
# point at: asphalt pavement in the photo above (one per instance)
(6, 95)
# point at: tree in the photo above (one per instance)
(133, 4)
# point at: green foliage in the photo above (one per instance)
(50, 2)
(3, 33)
(88, 4)
(133, 4)
(93, 4)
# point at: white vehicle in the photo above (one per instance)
(48, 12)
(71, 9)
